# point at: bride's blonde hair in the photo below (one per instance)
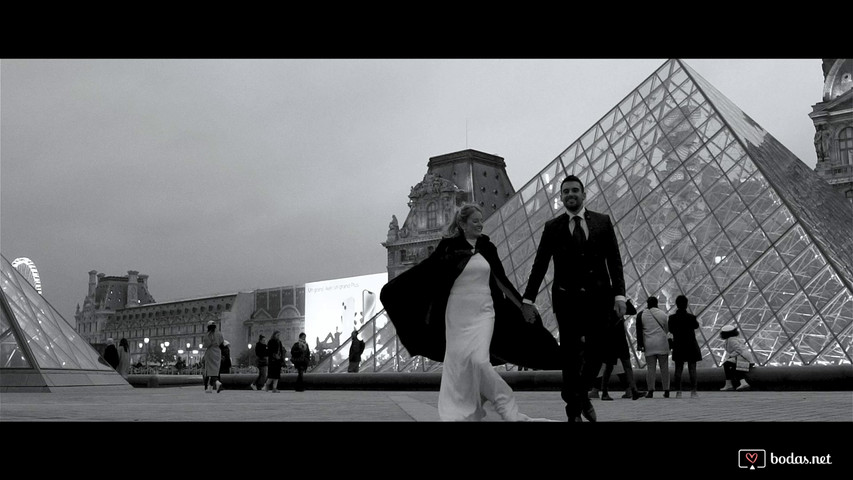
(461, 216)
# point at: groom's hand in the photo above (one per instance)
(529, 311)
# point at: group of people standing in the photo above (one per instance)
(271, 358)
(458, 307)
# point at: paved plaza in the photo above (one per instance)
(192, 404)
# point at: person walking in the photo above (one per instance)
(458, 306)
(212, 358)
(262, 363)
(652, 339)
(685, 348)
(355, 350)
(225, 363)
(738, 362)
(123, 358)
(300, 354)
(111, 354)
(588, 286)
(616, 349)
(275, 354)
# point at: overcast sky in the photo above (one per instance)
(217, 176)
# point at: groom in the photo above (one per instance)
(588, 286)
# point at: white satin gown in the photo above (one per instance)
(468, 379)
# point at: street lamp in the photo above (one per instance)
(147, 349)
(364, 316)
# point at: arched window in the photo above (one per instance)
(432, 210)
(845, 146)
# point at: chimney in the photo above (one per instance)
(132, 283)
(92, 283)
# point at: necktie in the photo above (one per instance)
(577, 233)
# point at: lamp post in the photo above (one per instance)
(147, 349)
(364, 318)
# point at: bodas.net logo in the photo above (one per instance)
(751, 458)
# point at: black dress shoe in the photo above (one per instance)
(575, 419)
(588, 413)
(636, 394)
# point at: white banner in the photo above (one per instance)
(333, 308)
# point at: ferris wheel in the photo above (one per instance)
(28, 269)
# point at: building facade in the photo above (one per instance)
(833, 121)
(107, 295)
(176, 328)
(122, 307)
(453, 179)
(279, 309)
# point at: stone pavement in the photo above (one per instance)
(191, 404)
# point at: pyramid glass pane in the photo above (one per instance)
(52, 342)
(11, 354)
(706, 203)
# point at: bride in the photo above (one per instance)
(459, 307)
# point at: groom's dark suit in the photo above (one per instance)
(587, 279)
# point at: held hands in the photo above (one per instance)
(620, 308)
(529, 312)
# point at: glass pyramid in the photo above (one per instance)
(709, 205)
(706, 204)
(38, 348)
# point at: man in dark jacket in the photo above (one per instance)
(300, 354)
(225, 364)
(588, 286)
(262, 363)
(355, 350)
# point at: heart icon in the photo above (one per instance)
(752, 457)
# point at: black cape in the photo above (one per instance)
(415, 302)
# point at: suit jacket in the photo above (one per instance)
(416, 300)
(604, 276)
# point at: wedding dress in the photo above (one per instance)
(468, 379)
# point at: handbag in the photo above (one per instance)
(741, 364)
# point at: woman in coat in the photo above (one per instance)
(275, 355)
(737, 354)
(459, 307)
(685, 348)
(212, 358)
(123, 358)
(652, 339)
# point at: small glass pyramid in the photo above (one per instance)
(39, 350)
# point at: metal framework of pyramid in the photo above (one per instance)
(706, 204)
(39, 350)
